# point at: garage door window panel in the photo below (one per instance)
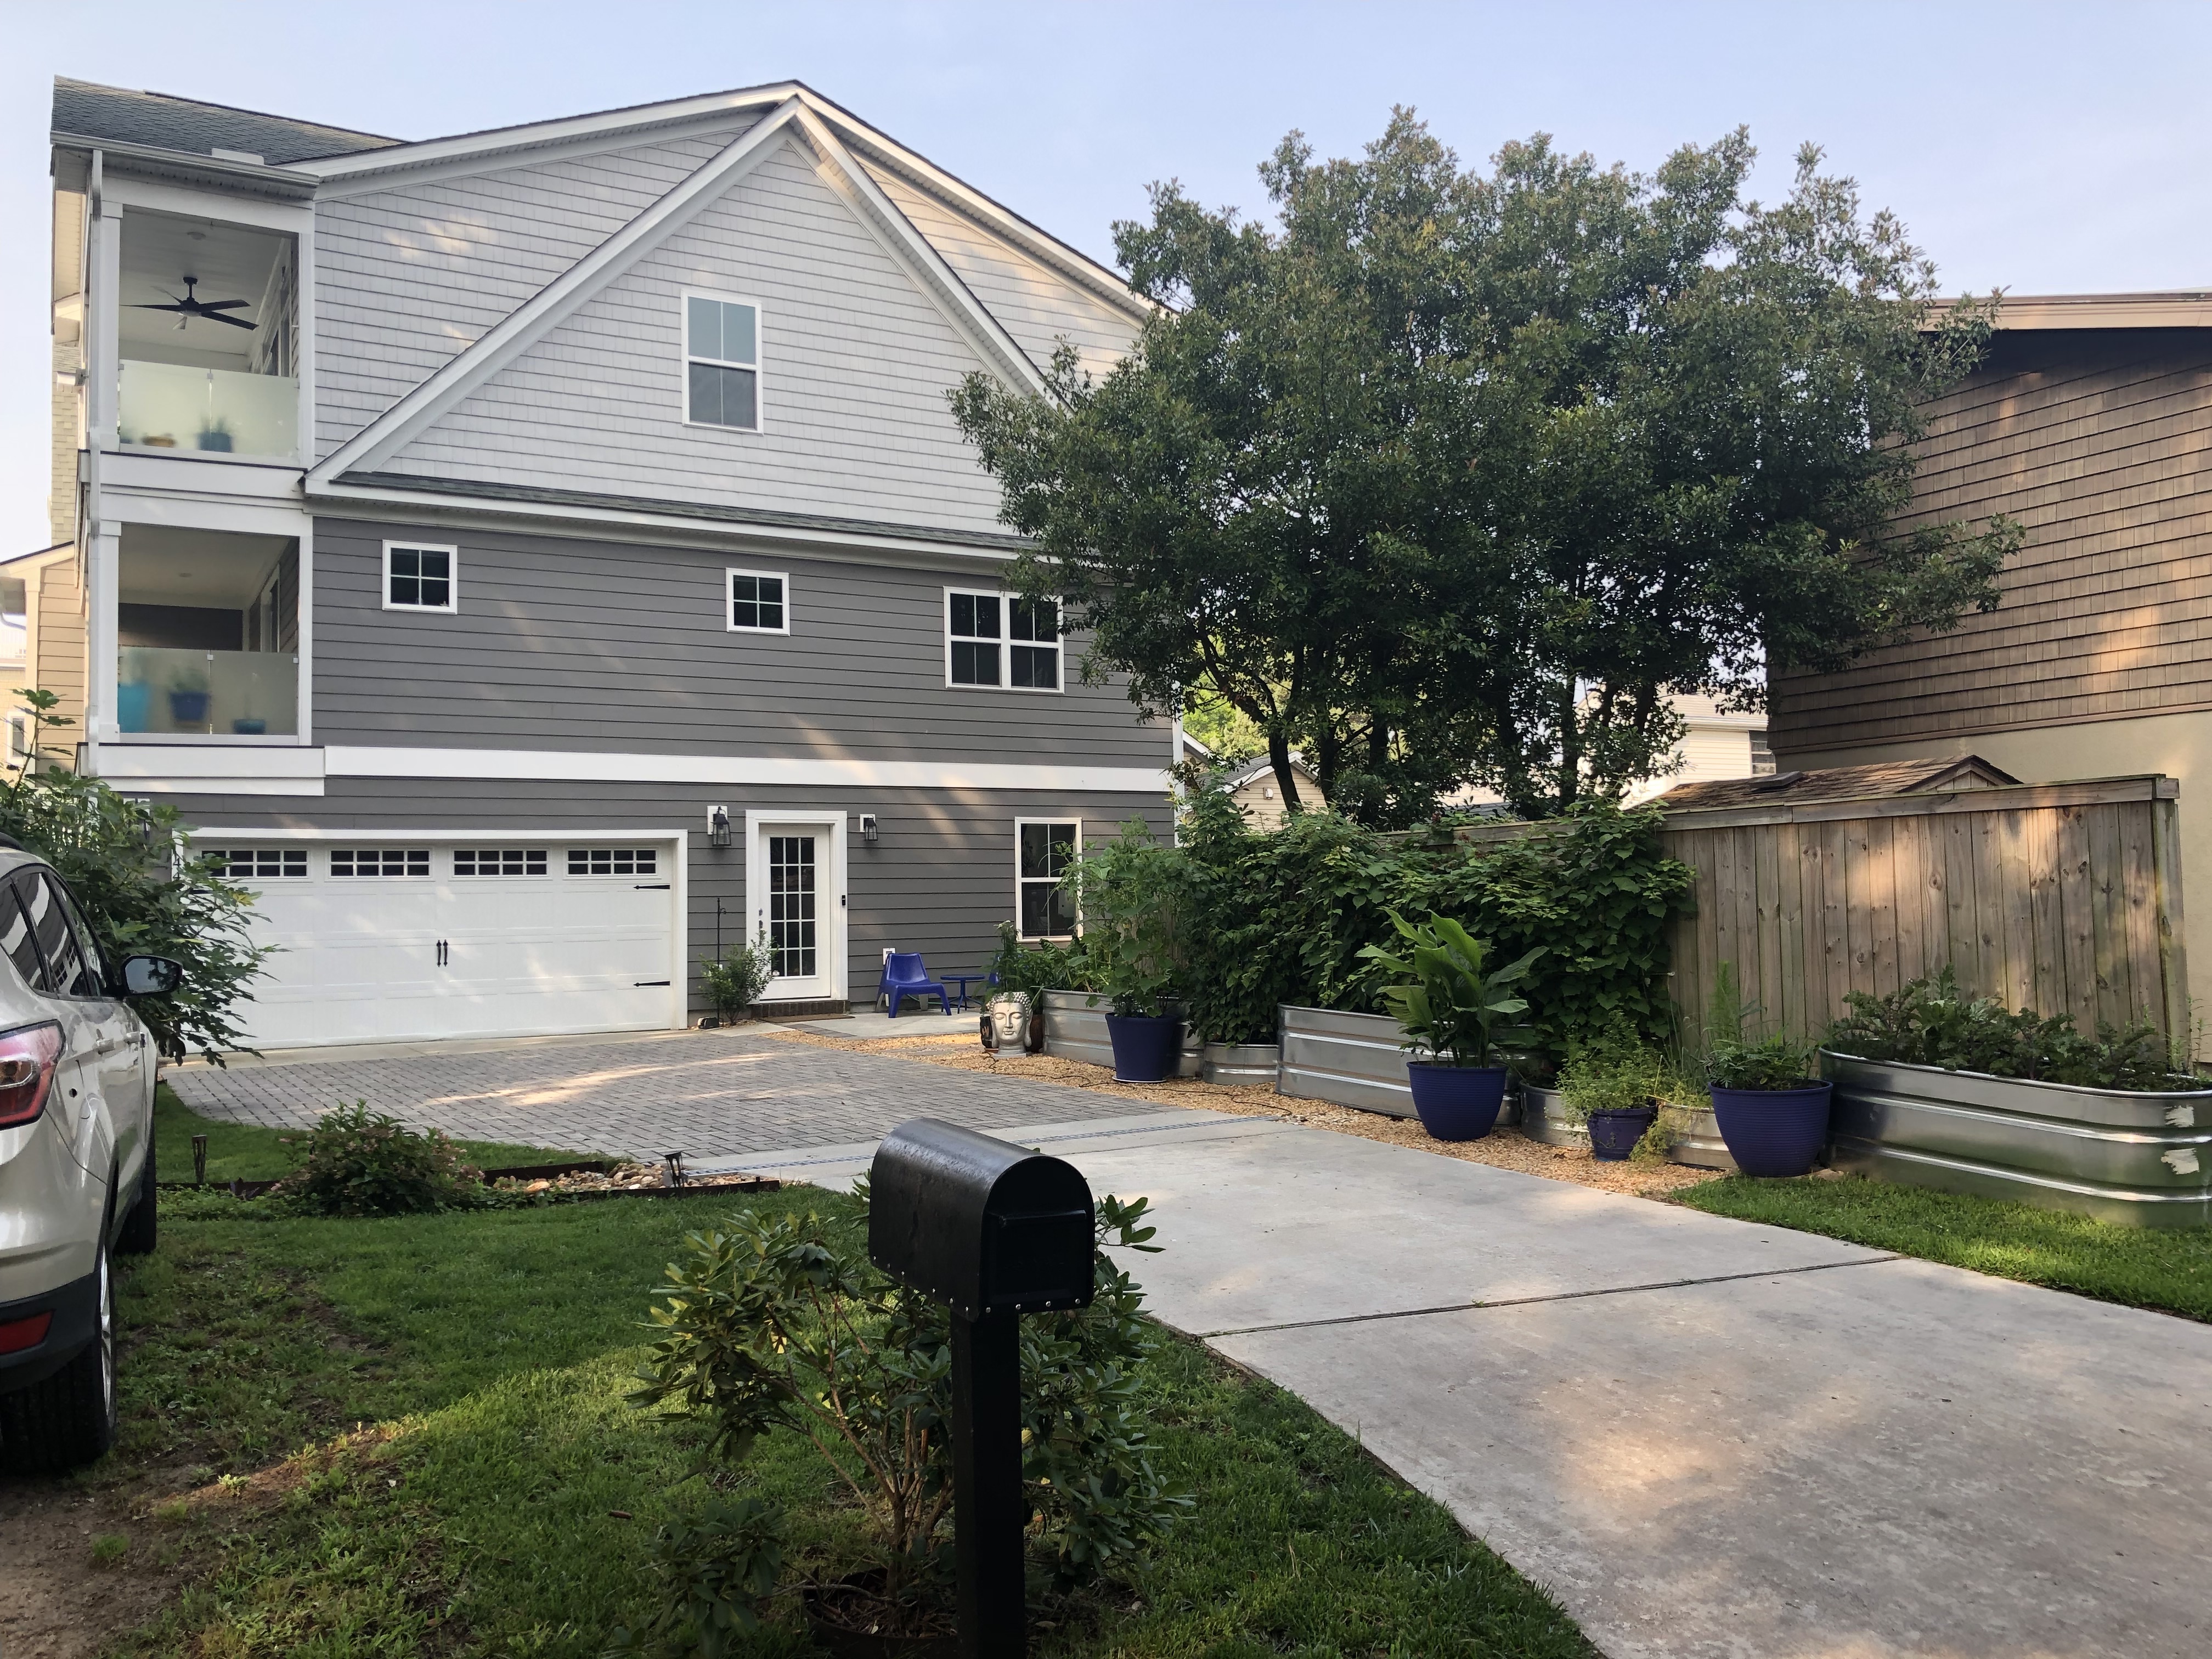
(500, 861)
(613, 861)
(259, 863)
(401, 861)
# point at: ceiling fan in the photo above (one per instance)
(191, 305)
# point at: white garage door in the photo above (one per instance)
(387, 941)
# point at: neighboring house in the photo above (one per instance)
(1251, 784)
(2090, 424)
(576, 557)
(1715, 745)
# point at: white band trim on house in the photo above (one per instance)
(219, 769)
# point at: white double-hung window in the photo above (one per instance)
(721, 362)
(1000, 639)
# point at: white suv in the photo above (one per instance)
(76, 1165)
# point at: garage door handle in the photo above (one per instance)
(652, 886)
(648, 981)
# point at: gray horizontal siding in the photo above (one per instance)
(856, 363)
(406, 279)
(580, 645)
(938, 879)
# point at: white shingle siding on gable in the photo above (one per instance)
(407, 279)
(1035, 305)
(854, 367)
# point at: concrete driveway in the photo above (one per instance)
(1706, 1437)
(1709, 1439)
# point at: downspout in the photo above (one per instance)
(95, 358)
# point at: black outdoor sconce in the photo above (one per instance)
(718, 826)
(868, 826)
(993, 1231)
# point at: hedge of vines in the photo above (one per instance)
(1280, 918)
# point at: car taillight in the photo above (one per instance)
(17, 1334)
(27, 1057)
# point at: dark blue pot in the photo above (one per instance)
(1456, 1102)
(1773, 1132)
(188, 707)
(1615, 1130)
(1145, 1046)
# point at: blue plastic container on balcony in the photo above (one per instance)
(134, 705)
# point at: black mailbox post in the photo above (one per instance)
(993, 1231)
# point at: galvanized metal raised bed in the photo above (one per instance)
(1350, 1059)
(1075, 1029)
(1543, 1118)
(1248, 1065)
(2141, 1160)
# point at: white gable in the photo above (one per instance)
(1036, 305)
(856, 363)
(408, 278)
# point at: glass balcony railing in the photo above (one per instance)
(248, 693)
(177, 406)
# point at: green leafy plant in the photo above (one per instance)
(359, 1163)
(1932, 1022)
(781, 1323)
(711, 1575)
(1614, 1071)
(1732, 1061)
(1447, 1004)
(1132, 895)
(734, 983)
(1037, 968)
(126, 863)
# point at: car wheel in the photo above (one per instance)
(139, 1225)
(67, 1418)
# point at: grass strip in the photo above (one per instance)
(508, 1502)
(248, 1152)
(2167, 1269)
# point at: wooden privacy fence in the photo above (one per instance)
(2063, 897)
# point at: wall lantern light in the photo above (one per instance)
(867, 826)
(718, 826)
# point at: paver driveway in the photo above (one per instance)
(710, 1094)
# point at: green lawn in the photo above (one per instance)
(243, 1151)
(2167, 1268)
(507, 1505)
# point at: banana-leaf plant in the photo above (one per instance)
(1447, 1005)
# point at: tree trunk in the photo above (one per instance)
(1279, 756)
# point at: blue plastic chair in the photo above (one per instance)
(905, 976)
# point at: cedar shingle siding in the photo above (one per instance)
(2095, 442)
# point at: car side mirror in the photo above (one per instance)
(151, 976)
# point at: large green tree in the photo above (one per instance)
(1447, 477)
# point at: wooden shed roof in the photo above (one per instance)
(1907, 777)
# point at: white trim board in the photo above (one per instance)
(588, 766)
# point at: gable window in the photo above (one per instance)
(418, 578)
(1044, 851)
(721, 362)
(757, 603)
(996, 639)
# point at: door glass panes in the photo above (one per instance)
(973, 625)
(1046, 852)
(1033, 655)
(791, 906)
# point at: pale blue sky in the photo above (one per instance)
(2048, 148)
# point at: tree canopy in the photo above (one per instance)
(1447, 477)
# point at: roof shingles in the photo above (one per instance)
(161, 122)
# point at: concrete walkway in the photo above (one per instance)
(1708, 1438)
(1711, 1440)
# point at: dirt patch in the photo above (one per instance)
(57, 1600)
(1505, 1149)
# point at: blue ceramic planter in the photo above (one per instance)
(1773, 1132)
(1615, 1130)
(1456, 1102)
(1145, 1046)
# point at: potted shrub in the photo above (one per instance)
(1453, 1009)
(1127, 895)
(1612, 1091)
(1770, 1107)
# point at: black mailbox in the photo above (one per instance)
(980, 1225)
(993, 1231)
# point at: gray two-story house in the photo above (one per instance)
(531, 555)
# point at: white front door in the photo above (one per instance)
(798, 898)
(382, 941)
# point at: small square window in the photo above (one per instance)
(721, 362)
(418, 578)
(757, 603)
